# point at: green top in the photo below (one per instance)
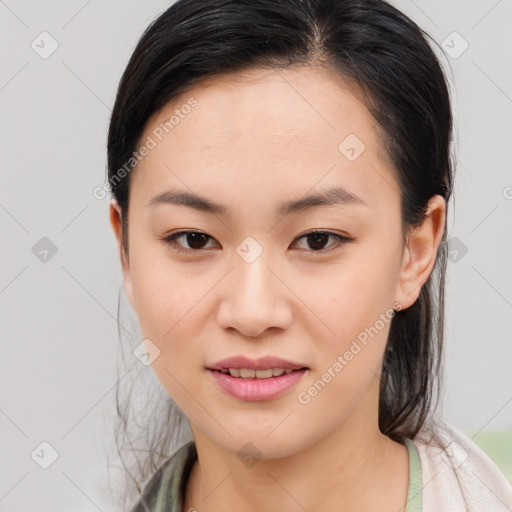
(165, 491)
(415, 489)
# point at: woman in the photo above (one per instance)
(280, 174)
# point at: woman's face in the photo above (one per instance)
(249, 282)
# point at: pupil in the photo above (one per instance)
(195, 238)
(318, 238)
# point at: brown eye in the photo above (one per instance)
(194, 239)
(317, 240)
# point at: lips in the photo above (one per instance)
(256, 389)
(263, 363)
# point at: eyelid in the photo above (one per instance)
(170, 240)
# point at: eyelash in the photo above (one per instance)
(171, 241)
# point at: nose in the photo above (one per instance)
(254, 298)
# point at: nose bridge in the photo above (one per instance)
(253, 301)
(252, 276)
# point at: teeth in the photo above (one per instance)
(247, 373)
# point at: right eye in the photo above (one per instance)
(195, 240)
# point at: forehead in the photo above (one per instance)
(279, 129)
(296, 105)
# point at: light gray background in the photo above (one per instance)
(58, 329)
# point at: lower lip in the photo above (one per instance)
(257, 389)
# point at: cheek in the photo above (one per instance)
(170, 307)
(352, 302)
(170, 315)
(348, 362)
(348, 293)
(164, 296)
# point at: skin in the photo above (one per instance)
(253, 141)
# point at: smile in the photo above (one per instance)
(248, 373)
(246, 384)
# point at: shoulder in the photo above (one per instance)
(457, 474)
(164, 490)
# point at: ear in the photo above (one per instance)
(116, 221)
(420, 253)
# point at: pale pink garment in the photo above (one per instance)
(457, 475)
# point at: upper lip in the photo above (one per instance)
(263, 363)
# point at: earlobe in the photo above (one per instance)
(420, 253)
(116, 222)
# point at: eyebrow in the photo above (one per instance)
(333, 196)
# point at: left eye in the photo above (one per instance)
(197, 239)
(319, 238)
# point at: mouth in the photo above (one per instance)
(250, 373)
(249, 384)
